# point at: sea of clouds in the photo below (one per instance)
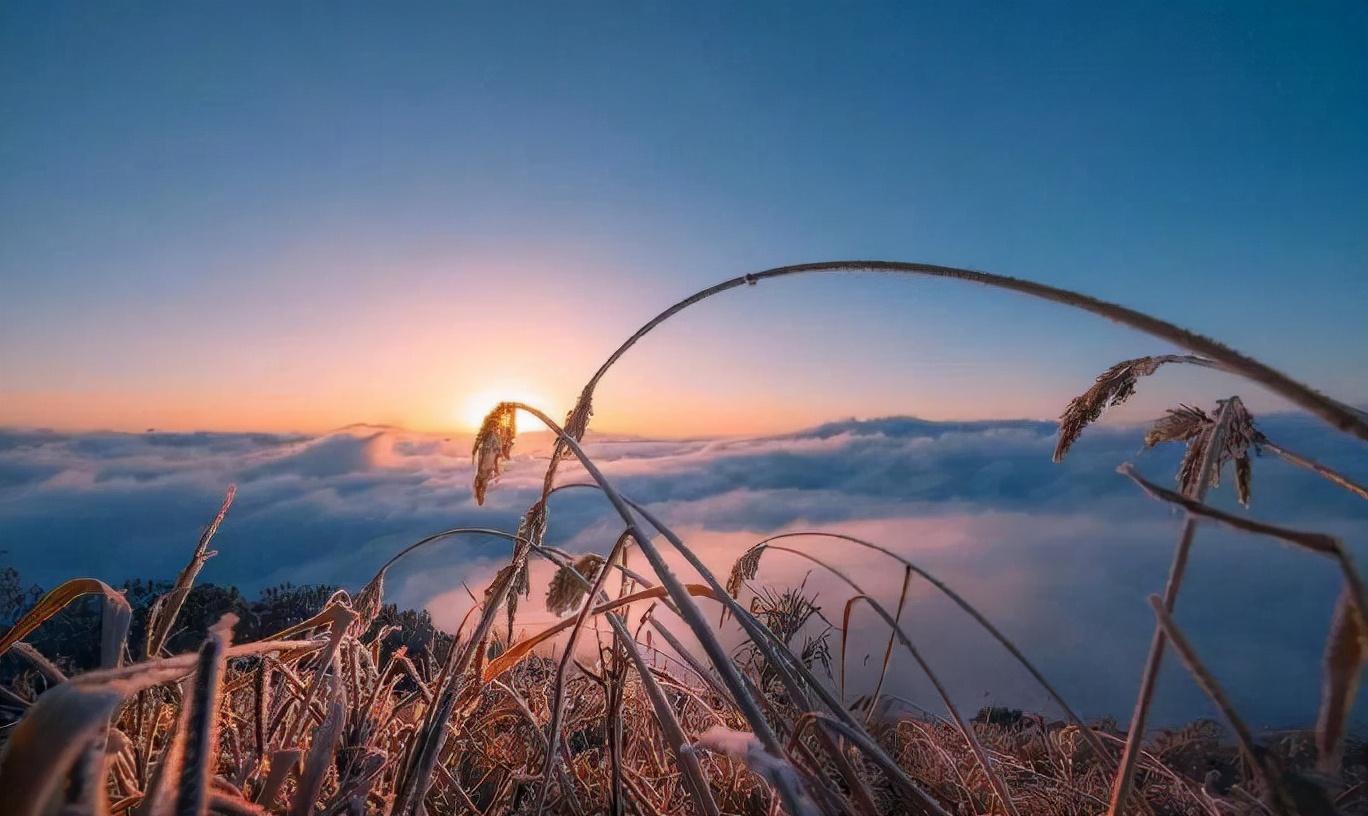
(1061, 557)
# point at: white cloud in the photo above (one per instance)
(1061, 556)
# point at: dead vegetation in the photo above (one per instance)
(327, 716)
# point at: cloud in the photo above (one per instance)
(1062, 556)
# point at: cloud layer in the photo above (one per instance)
(1061, 556)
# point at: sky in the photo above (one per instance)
(273, 217)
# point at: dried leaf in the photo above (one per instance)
(48, 741)
(117, 615)
(1345, 652)
(1244, 477)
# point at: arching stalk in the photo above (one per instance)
(1343, 417)
(1093, 742)
(1330, 475)
(1339, 415)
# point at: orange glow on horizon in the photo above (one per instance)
(477, 406)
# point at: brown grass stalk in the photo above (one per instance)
(201, 723)
(1277, 797)
(1330, 475)
(1338, 415)
(1149, 674)
(167, 608)
(978, 617)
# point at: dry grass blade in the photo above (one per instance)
(493, 446)
(1212, 353)
(874, 751)
(45, 667)
(578, 579)
(888, 647)
(1316, 542)
(669, 723)
(688, 610)
(320, 757)
(1277, 797)
(1345, 653)
(740, 690)
(1330, 475)
(56, 729)
(229, 804)
(371, 597)
(430, 738)
(688, 656)
(167, 608)
(339, 618)
(201, 725)
(117, 615)
(48, 741)
(980, 754)
(1212, 441)
(282, 762)
(776, 653)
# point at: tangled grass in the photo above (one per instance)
(323, 717)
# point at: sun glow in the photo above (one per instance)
(478, 405)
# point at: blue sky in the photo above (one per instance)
(272, 216)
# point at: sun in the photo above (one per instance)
(478, 405)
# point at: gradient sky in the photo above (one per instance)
(278, 217)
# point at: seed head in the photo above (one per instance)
(1113, 387)
(493, 446)
(1193, 426)
(577, 421)
(744, 569)
(566, 590)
